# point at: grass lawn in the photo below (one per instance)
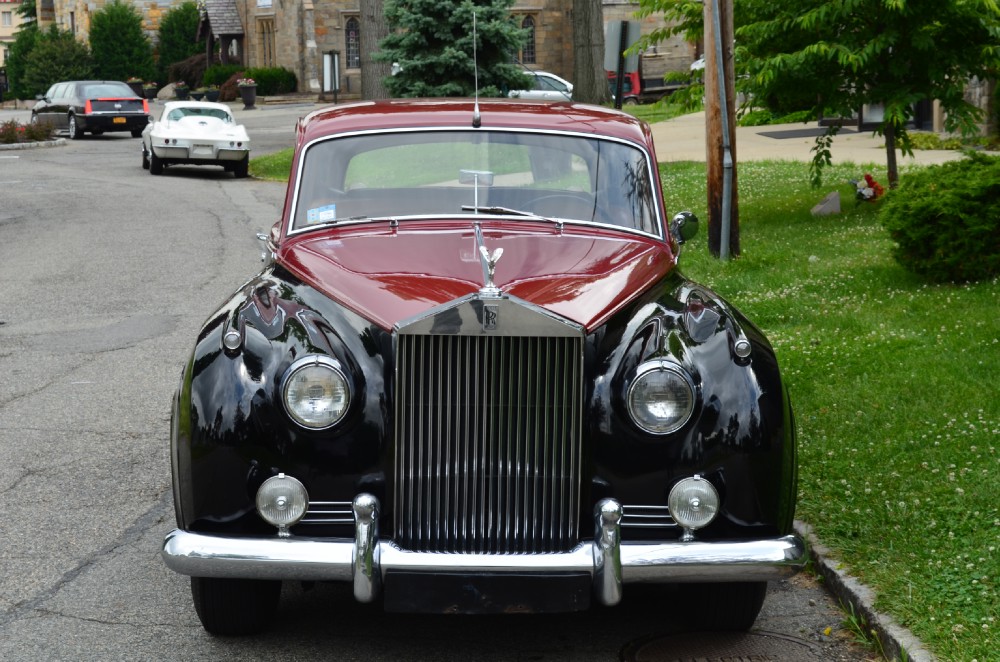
(895, 383)
(895, 387)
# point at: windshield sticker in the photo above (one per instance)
(323, 214)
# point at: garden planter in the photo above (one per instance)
(212, 95)
(137, 88)
(181, 93)
(249, 95)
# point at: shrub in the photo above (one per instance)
(945, 220)
(13, 132)
(218, 74)
(272, 80)
(192, 70)
(757, 117)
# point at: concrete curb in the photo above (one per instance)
(57, 142)
(896, 641)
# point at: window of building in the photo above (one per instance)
(352, 39)
(6, 19)
(528, 50)
(265, 42)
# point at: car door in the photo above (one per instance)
(46, 107)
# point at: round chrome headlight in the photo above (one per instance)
(316, 392)
(282, 501)
(661, 399)
(693, 503)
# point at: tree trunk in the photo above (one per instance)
(373, 29)
(890, 154)
(590, 81)
(715, 153)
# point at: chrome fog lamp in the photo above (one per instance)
(282, 502)
(661, 399)
(316, 392)
(693, 504)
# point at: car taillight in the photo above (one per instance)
(145, 105)
(87, 108)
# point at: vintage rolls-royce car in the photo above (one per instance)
(196, 133)
(471, 378)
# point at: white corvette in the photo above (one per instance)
(196, 133)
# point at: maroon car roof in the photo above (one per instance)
(424, 113)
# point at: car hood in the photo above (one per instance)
(399, 272)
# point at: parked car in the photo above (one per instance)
(95, 106)
(546, 86)
(196, 133)
(471, 378)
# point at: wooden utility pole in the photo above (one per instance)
(723, 211)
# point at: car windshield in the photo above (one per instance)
(98, 90)
(195, 111)
(562, 177)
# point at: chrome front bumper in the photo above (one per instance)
(365, 560)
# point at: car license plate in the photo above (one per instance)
(119, 120)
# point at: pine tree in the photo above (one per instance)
(432, 48)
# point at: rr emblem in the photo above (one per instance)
(491, 315)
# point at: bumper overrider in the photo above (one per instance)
(366, 560)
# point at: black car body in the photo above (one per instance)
(92, 106)
(391, 404)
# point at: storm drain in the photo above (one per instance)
(723, 647)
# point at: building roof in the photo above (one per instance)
(221, 17)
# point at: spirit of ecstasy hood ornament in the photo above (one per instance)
(489, 261)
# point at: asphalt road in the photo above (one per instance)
(107, 274)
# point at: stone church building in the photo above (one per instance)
(304, 35)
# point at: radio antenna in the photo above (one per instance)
(477, 120)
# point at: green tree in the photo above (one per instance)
(837, 56)
(178, 37)
(56, 56)
(120, 47)
(433, 46)
(889, 52)
(24, 41)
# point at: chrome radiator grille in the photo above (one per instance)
(488, 443)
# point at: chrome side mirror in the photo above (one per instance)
(684, 226)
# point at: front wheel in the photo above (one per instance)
(731, 606)
(137, 133)
(235, 606)
(145, 159)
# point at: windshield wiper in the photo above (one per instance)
(511, 212)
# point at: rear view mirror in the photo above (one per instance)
(477, 177)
